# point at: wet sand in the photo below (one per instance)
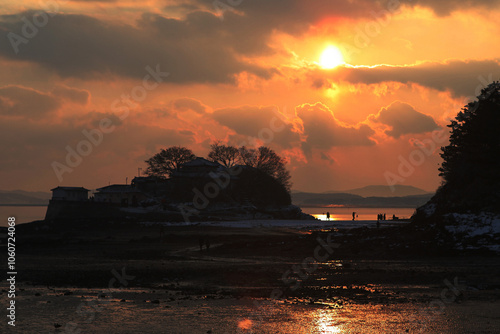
(131, 279)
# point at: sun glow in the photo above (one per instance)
(245, 324)
(331, 57)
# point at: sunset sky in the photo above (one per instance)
(346, 90)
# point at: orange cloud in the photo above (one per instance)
(324, 131)
(26, 102)
(403, 119)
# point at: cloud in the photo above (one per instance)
(78, 96)
(324, 131)
(35, 144)
(192, 49)
(198, 46)
(460, 77)
(185, 104)
(264, 123)
(292, 16)
(446, 7)
(26, 102)
(404, 119)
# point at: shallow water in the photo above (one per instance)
(345, 214)
(23, 214)
(132, 311)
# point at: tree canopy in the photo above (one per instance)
(168, 160)
(164, 163)
(226, 155)
(268, 161)
(262, 158)
(471, 162)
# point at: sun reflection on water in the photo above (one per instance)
(325, 323)
(245, 324)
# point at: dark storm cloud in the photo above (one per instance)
(26, 102)
(404, 119)
(293, 16)
(324, 131)
(461, 78)
(191, 50)
(446, 7)
(260, 122)
(199, 47)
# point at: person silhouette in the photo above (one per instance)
(353, 215)
(328, 215)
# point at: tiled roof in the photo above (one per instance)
(70, 188)
(118, 188)
(200, 162)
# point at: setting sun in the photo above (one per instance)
(331, 57)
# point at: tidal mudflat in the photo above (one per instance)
(130, 278)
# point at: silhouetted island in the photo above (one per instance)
(198, 190)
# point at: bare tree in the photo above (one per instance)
(224, 154)
(168, 160)
(268, 161)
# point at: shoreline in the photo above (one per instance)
(169, 280)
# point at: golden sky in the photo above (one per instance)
(347, 91)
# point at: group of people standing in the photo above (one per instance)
(381, 216)
(354, 215)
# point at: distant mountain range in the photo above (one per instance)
(385, 191)
(21, 197)
(370, 196)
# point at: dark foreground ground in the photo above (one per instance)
(70, 277)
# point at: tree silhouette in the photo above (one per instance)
(226, 155)
(168, 160)
(268, 161)
(471, 162)
(259, 188)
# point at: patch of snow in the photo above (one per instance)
(467, 226)
(428, 209)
